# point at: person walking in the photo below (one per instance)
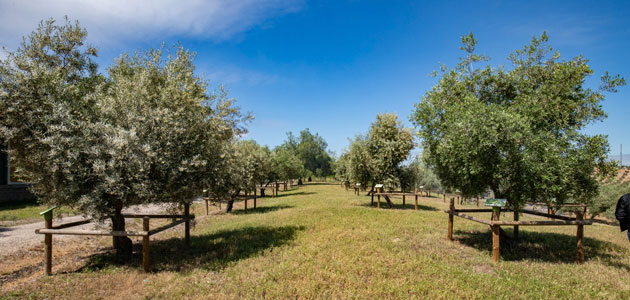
(622, 213)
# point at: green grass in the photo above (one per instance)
(322, 242)
(17, 213)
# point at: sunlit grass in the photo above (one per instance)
(16, 213)
(322, 242)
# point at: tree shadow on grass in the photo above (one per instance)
(209, 251)
(260, 209)
(302, 193)
(400, 206)
(545, 246)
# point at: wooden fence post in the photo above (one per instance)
(187, 224)
(580, 238)
(145, 245)
(207, 210)
(516, 217)
(450, 220)
(416, 205)
(378, 204)
(403, 199)
(48, 243)
(246, 194)
(496, 214)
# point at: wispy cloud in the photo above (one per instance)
(567, 29)
(119, 21)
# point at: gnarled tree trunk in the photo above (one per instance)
(122, 244)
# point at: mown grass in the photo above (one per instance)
(322, 242)
(17, 213)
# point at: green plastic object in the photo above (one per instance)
(496, 202)
(47, 213)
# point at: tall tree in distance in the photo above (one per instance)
(311, 149)
(516, 131)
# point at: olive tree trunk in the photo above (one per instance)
(122, 244)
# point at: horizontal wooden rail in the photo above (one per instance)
(72, 224)
(455, 213)
(540, 223)
(155, 216)
(557, 205)
(476, 210)
(91, 232)
(397, 194)
(167, 226)
(542, 214)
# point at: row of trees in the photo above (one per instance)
(149, 130)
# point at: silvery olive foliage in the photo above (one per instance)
(243, 164)
(417, 175)
(286, 164)
(377, 157)
(516, 130)
(148, 132)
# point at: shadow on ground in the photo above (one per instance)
(209, 251)
(545, 246)
(321, 183)
(400, 206)
(260, 209)
(302, 193)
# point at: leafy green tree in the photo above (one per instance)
(244, 165)
(360, 162)
(311, 149)
(377, 157)
(148, 133)
(389, 144)
(287, 165)
(606, 200)
(516, 131)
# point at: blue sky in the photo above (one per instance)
(331, 66)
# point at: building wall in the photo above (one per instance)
(11, 191)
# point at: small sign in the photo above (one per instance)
(379, 186)
(422, 186)
(47, 211)
(496, 202)
(358, 184)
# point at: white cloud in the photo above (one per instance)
(111, 22)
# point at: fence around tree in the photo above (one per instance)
(495, 223)
(145, 233)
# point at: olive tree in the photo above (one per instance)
(516, 130)
(287, 165)
(150, 132)
(378, 156)
(241, 167)
(389, 144)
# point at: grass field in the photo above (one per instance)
(322, 242)
(12, 214)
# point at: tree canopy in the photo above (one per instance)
(148, 132)
(516, 130)
(311, 150)
(377, 156)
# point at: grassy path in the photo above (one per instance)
(322, 242)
